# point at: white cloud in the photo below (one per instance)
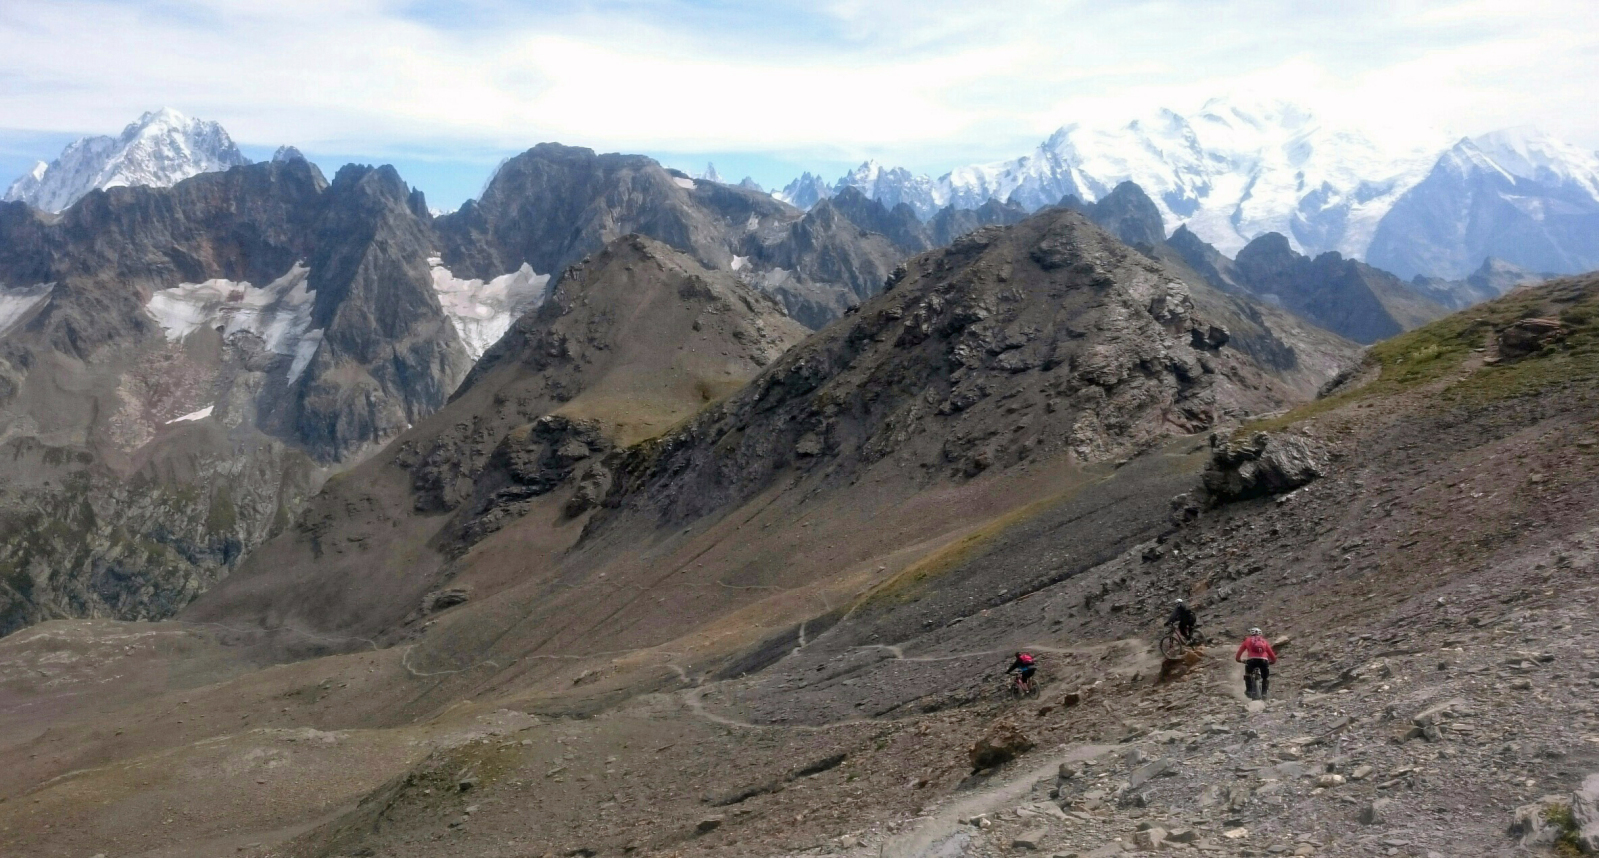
(884, 77)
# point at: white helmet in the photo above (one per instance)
(1254, 630)
(1179, 601)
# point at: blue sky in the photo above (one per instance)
(445, 90)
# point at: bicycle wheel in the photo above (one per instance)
(1171, 646)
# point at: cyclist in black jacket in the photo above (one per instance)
(1183, 618)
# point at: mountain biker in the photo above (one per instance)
(1026, 665)
(1183, 618)
(1256, 652)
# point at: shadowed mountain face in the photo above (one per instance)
(1344, 296)
(554, 204)
(1127, 213)
(177, 364)
(1349, 297)
(951, 223)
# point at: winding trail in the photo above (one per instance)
(693, 697)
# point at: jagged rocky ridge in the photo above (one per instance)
(180, 364)
(554, 204)
(1015, 344)
(1044, 342)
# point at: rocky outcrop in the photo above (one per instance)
(1528, 336)
(1260, 464)
(1003, 742)
(1585, 814)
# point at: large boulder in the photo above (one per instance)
(1526, 336)
(1004, 742)
(1260, 464)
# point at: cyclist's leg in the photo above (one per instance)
(1265, 677)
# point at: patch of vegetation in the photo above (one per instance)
(222, 517)
(1432, 353)
(1561, 817)
(907, 582)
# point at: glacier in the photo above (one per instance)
(483, 311)
(279, 313)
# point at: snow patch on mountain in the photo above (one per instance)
(1528, 153)
(279, 313)
(17, 302)
(686, 184)
(161, 149)
(483, 311)
(194, 415)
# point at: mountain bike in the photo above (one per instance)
(1252, 683)
(1019, 687)
(1174, 644)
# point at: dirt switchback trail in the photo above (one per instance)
(945, 832)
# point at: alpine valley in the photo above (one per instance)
(629, 512)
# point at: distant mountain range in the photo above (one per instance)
(1229, 172)
(1233, 172)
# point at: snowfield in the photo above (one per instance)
(483, 312)
(279, 313)
(16, 303)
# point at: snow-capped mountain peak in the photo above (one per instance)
(1528, 153)
(1236, 168)
(709, 174)
(161, 149)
